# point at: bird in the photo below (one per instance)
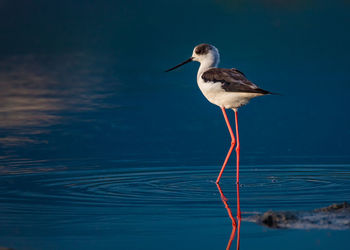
(226, 88)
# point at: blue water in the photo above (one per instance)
(100, 149)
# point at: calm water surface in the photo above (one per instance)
(100, 149)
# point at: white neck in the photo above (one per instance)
(209, 62)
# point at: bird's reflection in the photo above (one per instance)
(236, 223)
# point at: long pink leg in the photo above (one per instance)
(238, 148)
(233, 142)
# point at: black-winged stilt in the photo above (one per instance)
(226, 88)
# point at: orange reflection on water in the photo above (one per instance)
(38, 92)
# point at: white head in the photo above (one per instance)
(207, 55)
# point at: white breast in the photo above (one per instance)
(218, 96)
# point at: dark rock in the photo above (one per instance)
(277, 219)
(335, 216)
(334, 208)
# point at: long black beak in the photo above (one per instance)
(187, 61)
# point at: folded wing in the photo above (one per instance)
(232, 80)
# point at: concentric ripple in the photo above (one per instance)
(120, 185)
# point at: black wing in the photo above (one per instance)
(232, 80)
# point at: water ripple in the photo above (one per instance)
(263, 187)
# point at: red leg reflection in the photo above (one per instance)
(235, 225)
(238, 217)
(233, 142)
(238, 148)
